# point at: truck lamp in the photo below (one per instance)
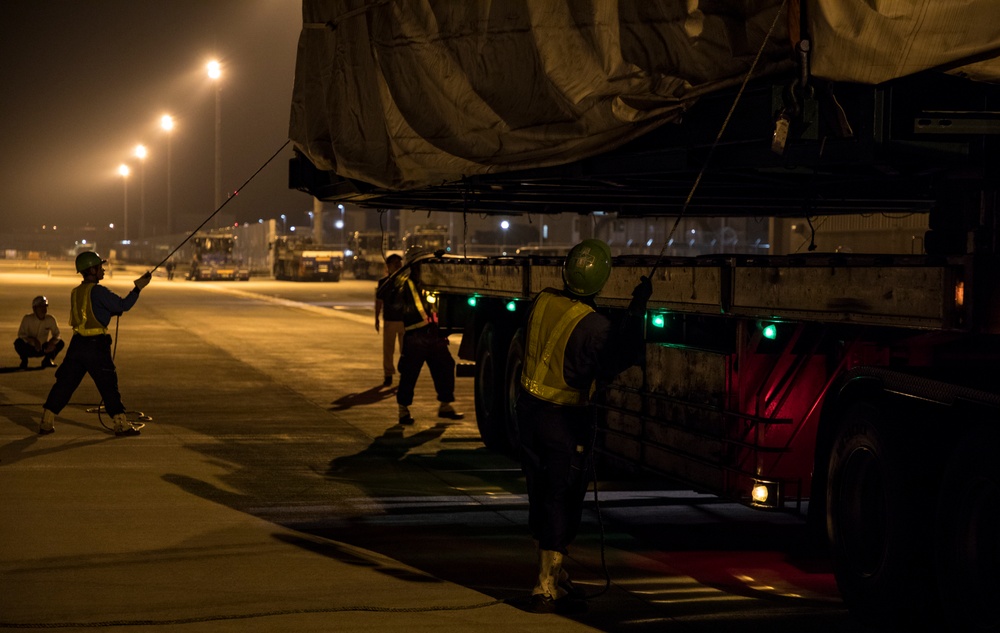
(472, 301)
(769, 331)
(765, 494)
(432, 298)
(657, 320)
(511, 305)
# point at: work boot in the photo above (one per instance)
(550, 594)
(567, 587)
(46, 426)
(549, 570)
(387, 382)
(123, 428)
(48, 362)
(404, 415)
(448, 411)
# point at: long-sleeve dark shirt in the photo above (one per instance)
(107, 304)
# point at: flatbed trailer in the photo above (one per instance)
(865, 385)
(779, 380)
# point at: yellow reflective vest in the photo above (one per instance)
(415, 314)
(552, 320)
(81, 315)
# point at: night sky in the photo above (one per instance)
(82, 82)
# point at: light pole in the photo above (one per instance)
(340, 225)
(215, 74)
(124, 171)
(141, 153)
(504, 225)
(167, 123)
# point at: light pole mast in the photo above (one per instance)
(141, 153)
(167, 123)
(215, 73)
(124, 171)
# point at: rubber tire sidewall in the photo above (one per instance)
(512, 384)
(489, 391)
(872, 517)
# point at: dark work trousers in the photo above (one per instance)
(555, 455)
(425, 345)
(87, 355)
(27, 350)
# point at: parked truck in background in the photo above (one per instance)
(429, 236)
(862, 383)
(368, 250)
(299, 259)
(212, 259)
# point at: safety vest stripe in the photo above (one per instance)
(419, 305)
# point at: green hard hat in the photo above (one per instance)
(587, 267)
(88, 259)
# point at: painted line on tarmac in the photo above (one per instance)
(288, 303)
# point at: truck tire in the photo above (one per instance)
(515, 360)
(489, 389)
(872, 518)
(967, 534)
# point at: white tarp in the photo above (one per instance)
(873, 41)
(409, 93)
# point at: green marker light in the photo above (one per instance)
(770, 331)
(511, 305)
(472, 301)
(658, 320)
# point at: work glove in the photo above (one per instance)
(640, 296)
(143, 281)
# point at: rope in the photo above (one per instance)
(718, 137)
(221, 206)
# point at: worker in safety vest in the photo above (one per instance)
(422, 340)
(568, 346)
(91, 308)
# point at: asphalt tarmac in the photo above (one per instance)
(271, 490)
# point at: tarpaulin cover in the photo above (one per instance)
(409, 93)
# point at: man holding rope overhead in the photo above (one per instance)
(92, 306)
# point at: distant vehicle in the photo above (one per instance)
(298, 259)
(368, 250)
(430, 237)
(213, 259)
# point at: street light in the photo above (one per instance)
(215, 74)
(504, 225)
(284, 224)
(167, 123)
(124, 171)
(141, 153)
